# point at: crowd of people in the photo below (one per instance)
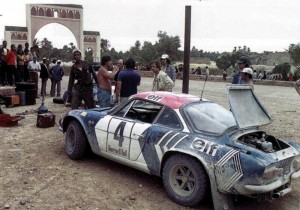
(22, 65)
(123, 76)
(19, 64)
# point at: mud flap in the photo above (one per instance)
(221, 201)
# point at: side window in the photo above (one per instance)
(143, 111)
(169, 119)
(123, 111)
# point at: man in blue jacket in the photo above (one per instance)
(57, 73)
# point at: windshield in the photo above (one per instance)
(209, 117)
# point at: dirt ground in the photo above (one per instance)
(37, 174)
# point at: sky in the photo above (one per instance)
(216, 25)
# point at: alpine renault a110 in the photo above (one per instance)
(195, 145)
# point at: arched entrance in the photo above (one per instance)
(68, 15)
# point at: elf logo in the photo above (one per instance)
(207, 147)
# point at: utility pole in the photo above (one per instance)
(187, 50)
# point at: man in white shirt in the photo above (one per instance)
(34, 67)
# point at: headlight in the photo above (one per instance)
(271, 172)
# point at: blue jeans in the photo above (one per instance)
(103, 97)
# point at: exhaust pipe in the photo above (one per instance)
(282, 193)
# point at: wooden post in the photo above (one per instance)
(187, 50)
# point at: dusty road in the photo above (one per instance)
(36, 173)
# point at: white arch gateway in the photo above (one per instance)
(68, 15)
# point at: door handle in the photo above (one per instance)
(141, 137)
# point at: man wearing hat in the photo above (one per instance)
(242, 63)
(246, 76)
(80, 86)
(44, 76)
(166, 67)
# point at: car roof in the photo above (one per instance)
(170, 99)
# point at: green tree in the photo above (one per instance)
(168, 44)
(223, 61)
(105, 45)
(148, 53)
(284, 69)
(46, 48)
(294, 52)
(235, 56)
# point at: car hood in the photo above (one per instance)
(246, 108)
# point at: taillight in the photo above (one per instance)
(271, 172)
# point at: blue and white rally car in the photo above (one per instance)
(195, 145)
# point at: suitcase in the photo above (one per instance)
(45, 120)
(13, 100)
(6, 120)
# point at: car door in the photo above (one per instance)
(122, 134)
(126, 137)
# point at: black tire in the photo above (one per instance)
(24, 85)
(58, 100)
(185, 180)
(75, 142)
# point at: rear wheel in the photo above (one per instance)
(185, 180)
(76, 141)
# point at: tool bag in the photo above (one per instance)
(45, 120)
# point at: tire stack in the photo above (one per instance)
(30, 91)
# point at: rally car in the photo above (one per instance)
(194, 144)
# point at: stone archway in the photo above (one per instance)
(68, 15)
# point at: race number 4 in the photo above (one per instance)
(119, 133)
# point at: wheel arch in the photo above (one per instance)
(67, 121)
(168, 154)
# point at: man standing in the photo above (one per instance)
(166, 67)
(104, 79)
(128, 80)
(206, 71)
(83, 88)
(120, 65)
(246, 76)
(161, 82)
(297, 86)
(44, 76)
(34, 67)
(11, 60)
(3, 64)
(242, 63)
(27, 60)
(56, 73)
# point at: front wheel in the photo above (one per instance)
(185, 180)
(76, 141)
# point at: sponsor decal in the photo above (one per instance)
(229, 169)
(154, 98)
(119, 151)
(119, 136)
(204, 146)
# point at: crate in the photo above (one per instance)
(12, 100)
